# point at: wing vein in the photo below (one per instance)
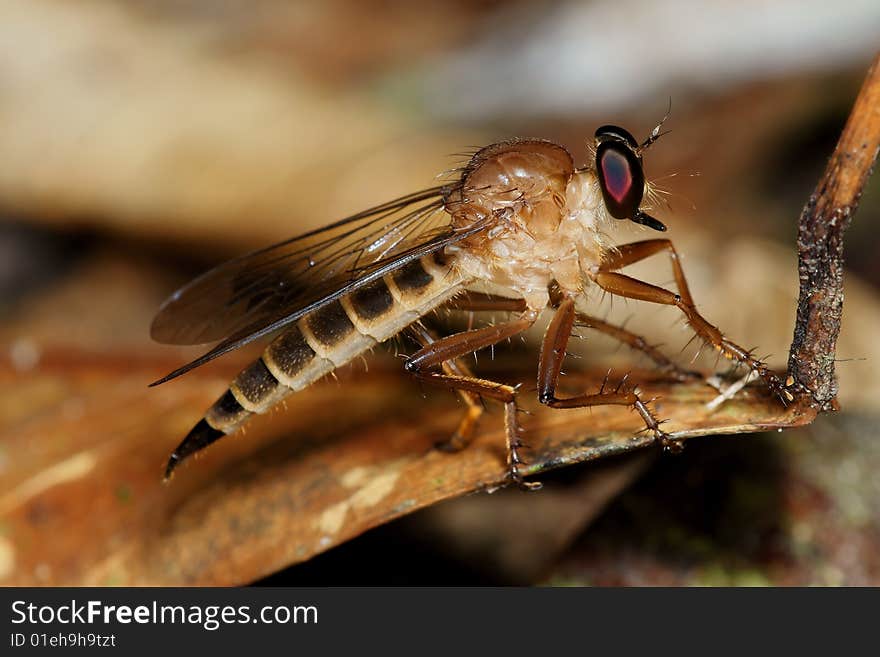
(262, 292)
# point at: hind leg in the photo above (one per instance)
(455, 367)
(424, 363)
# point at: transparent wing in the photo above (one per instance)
(256, 294)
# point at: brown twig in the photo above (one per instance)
(822, 224)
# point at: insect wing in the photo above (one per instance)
(256, 294)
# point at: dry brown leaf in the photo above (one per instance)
(85, 444)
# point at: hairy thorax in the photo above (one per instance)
(544, 220)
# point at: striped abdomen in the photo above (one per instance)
(322, 341)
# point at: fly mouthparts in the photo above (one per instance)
(649, 221)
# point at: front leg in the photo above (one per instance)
(550, 365)
(622, 285)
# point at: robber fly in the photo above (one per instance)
(520, 215)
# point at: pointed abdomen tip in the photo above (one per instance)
(199, 437)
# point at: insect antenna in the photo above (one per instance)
(655, 133)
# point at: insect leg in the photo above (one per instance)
(477, 301)
(632, 288)
(638, 343)
(455, 367)
(421, 364)
(628, 254)
(461, 344)
(550, 365)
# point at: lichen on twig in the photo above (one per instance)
(822, 224)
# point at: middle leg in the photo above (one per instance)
(638, 343)
(550, 365)
(473, 301)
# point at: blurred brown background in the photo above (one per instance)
(143, 141)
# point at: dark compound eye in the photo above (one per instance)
(617, 133)
(621, 178)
